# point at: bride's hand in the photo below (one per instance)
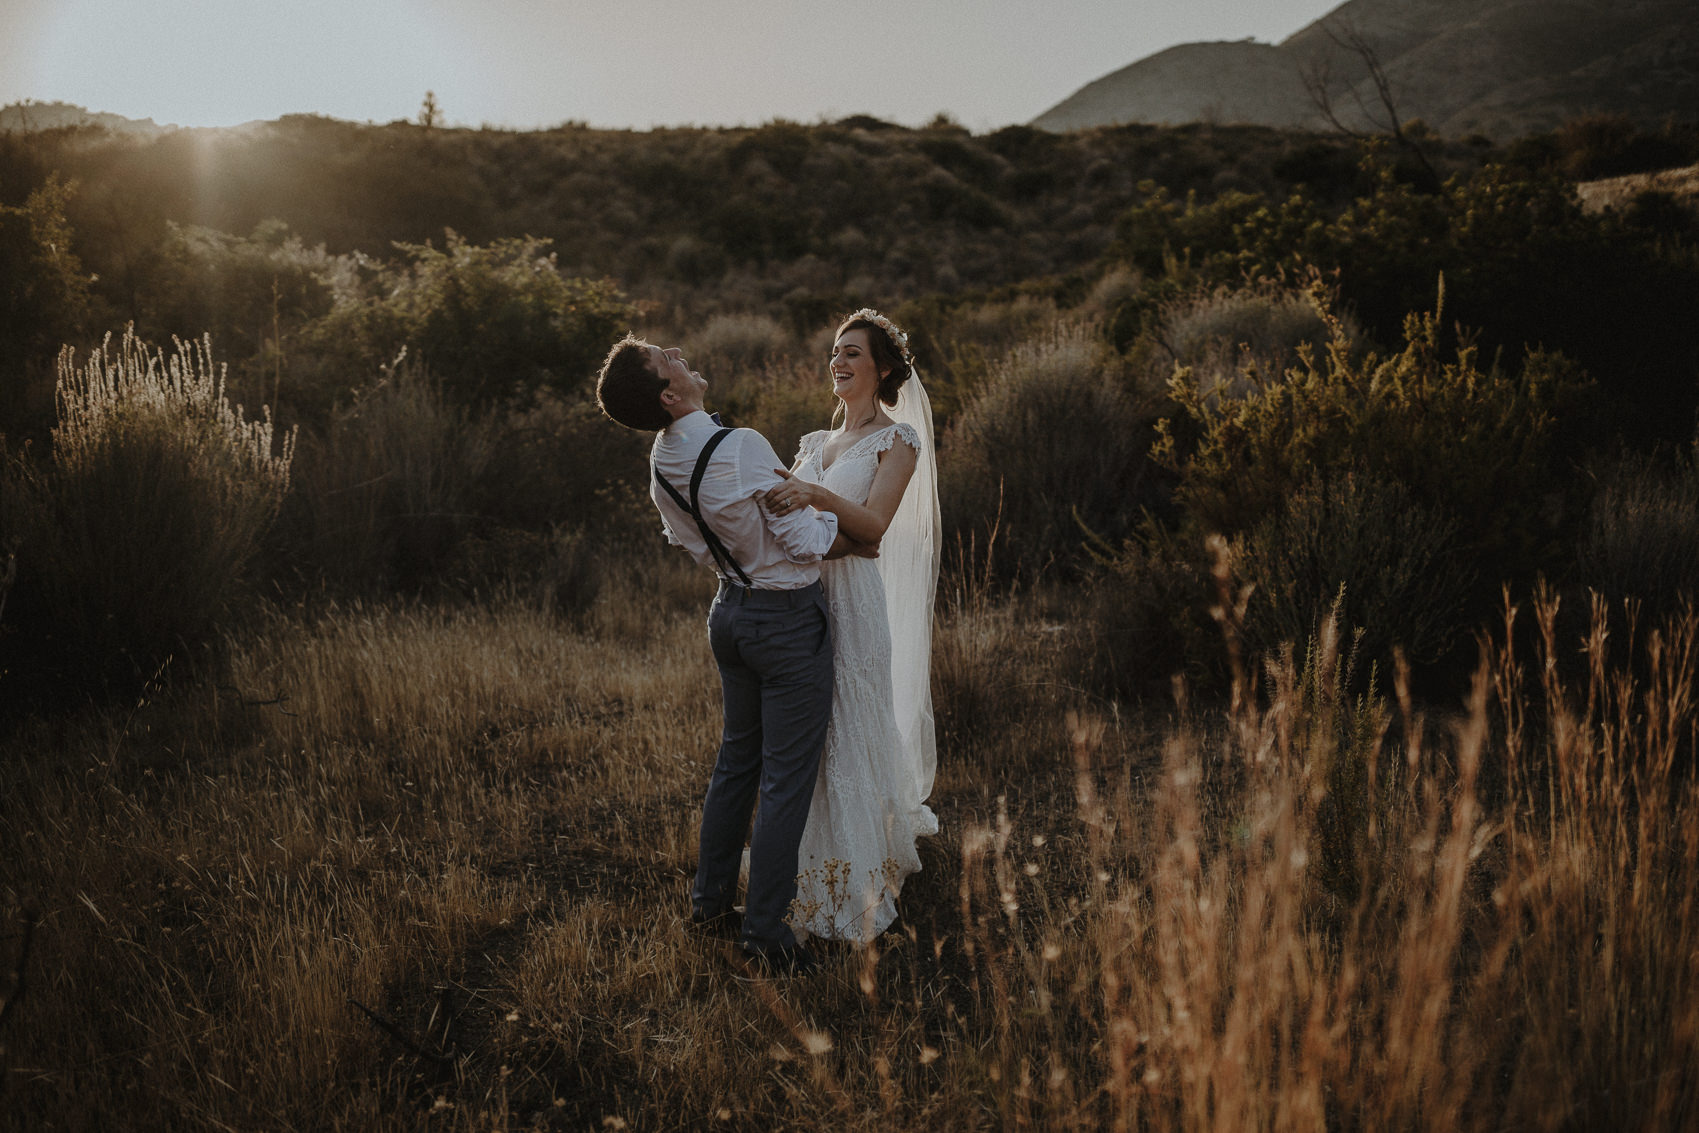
(791, 495)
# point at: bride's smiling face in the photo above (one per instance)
(854, 372)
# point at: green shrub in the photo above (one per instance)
(956, 342)
(1117, 286)
(1159, 233)
(1360, 547)
(1641, 535)
(405, 488)
(252, 294)
(1055, 438)
(490, 322)
(1610, 145)
(1480, 445)
(556, 463)
(131, 538)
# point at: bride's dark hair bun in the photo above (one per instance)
(890, 349)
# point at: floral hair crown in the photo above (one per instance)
(897, 337)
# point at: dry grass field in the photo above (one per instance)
(414, 867)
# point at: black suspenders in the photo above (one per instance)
(723, 557)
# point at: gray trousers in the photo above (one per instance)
(774, 651)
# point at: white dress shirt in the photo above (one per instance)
(777, 552)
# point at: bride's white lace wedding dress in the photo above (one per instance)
(877, 768)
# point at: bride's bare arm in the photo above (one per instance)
(865, 523)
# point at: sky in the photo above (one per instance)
(527, 64)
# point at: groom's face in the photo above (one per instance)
(685, 386)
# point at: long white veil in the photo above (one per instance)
(908, 567)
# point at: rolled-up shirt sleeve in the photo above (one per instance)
(804, 535)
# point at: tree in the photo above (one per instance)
(1318, 79)
(44, 300)
(429, 112)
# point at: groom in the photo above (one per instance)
(768, 629)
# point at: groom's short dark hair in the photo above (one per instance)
(629, 390)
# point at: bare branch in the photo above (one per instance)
(1317, 77)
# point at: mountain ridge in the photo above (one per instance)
(1502, 68)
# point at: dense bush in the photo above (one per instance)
(132, 536)
(1148, 620)
(1230, 336)
(557, 462)
(731, 344)
(956, 341)
(1610, 145)
(405, 489)
(388, 489)
(252, 294)
(490, 322)
(1481, 445)
(676, 215)
(782, 402)
(1641, 536)
(1361, 548)
(1054, 439)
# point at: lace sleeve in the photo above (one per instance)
(901, 431)
(809, 445)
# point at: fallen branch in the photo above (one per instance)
(401, 1036)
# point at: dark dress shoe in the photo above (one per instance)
(794, 960)
(721, 926)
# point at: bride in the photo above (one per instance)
(878, 474)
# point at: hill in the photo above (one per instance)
(1502, 68)
(30, 115)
